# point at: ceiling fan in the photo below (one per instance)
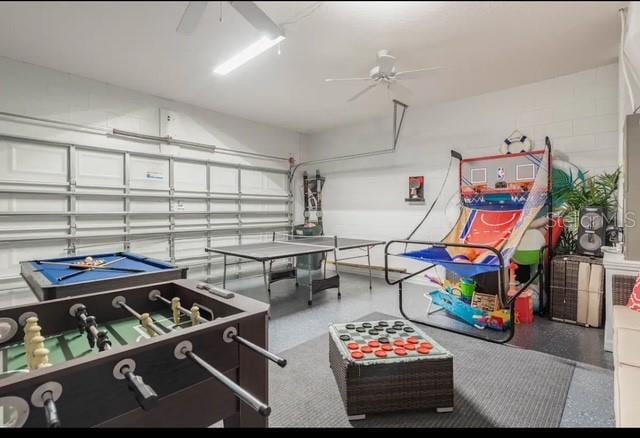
(384, 72)
(253, 14)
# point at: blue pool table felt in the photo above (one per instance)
(53, 272)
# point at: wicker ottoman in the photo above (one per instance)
(389, 365)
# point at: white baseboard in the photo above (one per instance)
(364, 271)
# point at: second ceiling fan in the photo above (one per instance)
(384, 73)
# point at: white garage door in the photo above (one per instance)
(62, 199)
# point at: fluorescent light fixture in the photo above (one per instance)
(262, 45)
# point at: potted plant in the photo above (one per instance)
(594, 191)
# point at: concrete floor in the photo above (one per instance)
(590, 399)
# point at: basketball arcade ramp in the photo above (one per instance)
(501, 196)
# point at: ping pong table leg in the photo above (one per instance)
(325, 265)
(310, 301)
(269, 277)
(224, 272)
(266, 279)
(335, 257)
(369, 264)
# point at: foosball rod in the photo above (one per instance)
(231, 335)
(153, 296)
(185, 349)
(120, 302)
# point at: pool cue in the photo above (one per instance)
(100, 268)
(187, 312)
(42, 262)
(73, 274)
(76, 266)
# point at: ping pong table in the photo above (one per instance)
(289, 246)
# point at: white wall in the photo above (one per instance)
(365, 197)
(40, 92)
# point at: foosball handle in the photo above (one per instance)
(51, 412)
(231, 335)
(223, 293)
(145, 395)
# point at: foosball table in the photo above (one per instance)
(171, 354)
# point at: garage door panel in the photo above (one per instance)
(31, 203)
(156, 248)
(10, 257)
(98, 205)
(264, 183)
(87, 223)
(35, 163)
(141, 205)
(188, 205)
(224, 206)
(266, 207)
(190, 176)
(149, 173)
(224, 179)
(100, 168)
(190, 247)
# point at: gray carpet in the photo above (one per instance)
(495, 386)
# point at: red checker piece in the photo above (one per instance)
(424, 350)
(353, 346)
(413, 340)
(408, 346)
(426, 345)
(366, 349)
(387, 347)
(357, 354)
(398, 343)
(381, 353)
(400, 351)
(374, 344)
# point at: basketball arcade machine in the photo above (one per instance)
(497, 196)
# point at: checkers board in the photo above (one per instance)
(389, 365)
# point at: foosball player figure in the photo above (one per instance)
(88, 324)
(146, 322)
(175, 307)
(195, 315)
(37, 344)
(103, 341)
(31, 339)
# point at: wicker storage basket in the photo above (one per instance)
(576, 295)
(622, 288)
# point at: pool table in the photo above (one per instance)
(53, 278)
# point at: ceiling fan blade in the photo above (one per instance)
(355, 96)
(191, 17)
(258, 19)
(346, 79)
(412, 74)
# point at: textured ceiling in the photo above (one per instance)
(484, 46)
